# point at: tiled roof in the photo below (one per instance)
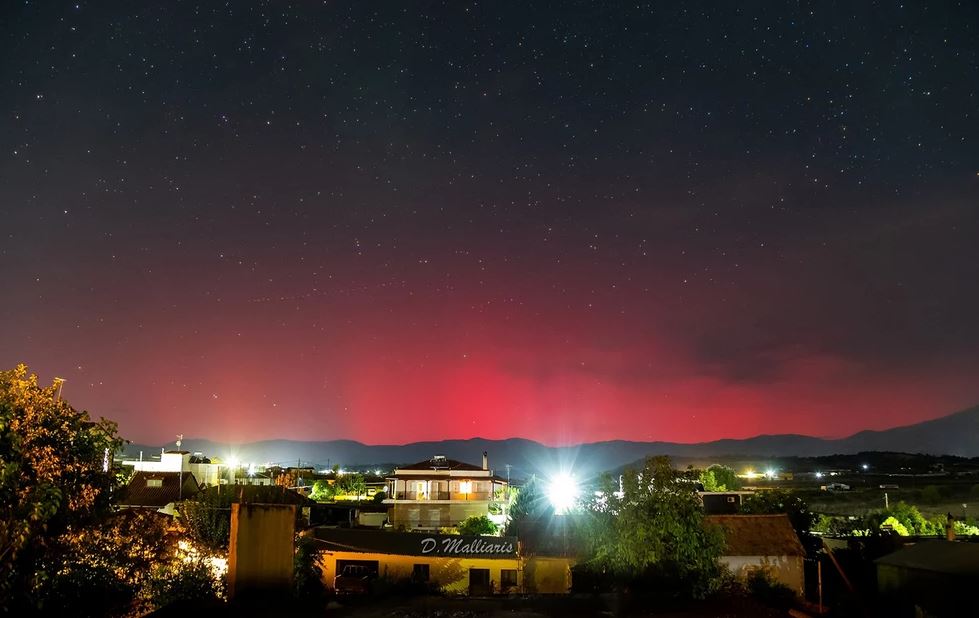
(939, 556)
(758, 535)
(441, 464)
(142, 489)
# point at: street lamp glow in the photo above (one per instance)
(562, 492)
(770, 473)
(864, 466)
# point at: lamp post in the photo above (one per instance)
(60, 382)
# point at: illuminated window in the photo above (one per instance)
(154, 482)
(466, 487)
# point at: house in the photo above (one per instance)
(723, 502)
(206, 471)
(159, 491)
(935, 577)
(762, 542)
(441, 492)
(452, 563)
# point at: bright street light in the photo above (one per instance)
(562, 492)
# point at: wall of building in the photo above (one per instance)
(261, 549)
(787, 570)
(450, 574)
(413, 515)
(543, 575)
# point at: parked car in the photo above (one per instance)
(836, 487)
(353, 579)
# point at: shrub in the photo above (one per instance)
(188, 581)
(477, 525)
(768, 591)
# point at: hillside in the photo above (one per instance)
(956, 434)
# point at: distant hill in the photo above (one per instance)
(956, 434)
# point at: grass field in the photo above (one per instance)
(933, 495)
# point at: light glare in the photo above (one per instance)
(562, 491)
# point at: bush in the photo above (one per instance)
(188, 581)
(86, 590)
(931, 495)
(477, 525)
(768, 591)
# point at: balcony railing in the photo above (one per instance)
(442, 495)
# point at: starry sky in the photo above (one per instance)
(567, 221)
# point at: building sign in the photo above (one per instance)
(467, 546)
(416, 543)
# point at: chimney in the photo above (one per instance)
(485, 460)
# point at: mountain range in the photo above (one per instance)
(955, 434)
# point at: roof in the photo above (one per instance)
(140, 493)
(275, 494)
(421, 476)
(440, 464)
(414, 543)
(939, 556)
(758, 535)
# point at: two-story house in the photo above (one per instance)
(441, 492)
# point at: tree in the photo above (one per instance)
(528, 506)
(307, 581)
(651, 530)
(53, 476)
(909, 517)
(720, 478)
(893, 524)
(781, 501)
(477, 525)
(323, 491)
(208, 517)
(103, 567)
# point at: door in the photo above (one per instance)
(479, 582)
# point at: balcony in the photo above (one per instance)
(432, 495)
(443, 495)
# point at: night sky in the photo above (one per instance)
(567, 221)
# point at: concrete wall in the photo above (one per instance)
(787, 570)
(261, 549)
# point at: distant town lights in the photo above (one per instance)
(865, 466)
(770, 474)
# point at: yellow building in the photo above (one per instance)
(476, 565)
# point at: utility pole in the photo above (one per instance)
(180, 489)
(60, 382)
